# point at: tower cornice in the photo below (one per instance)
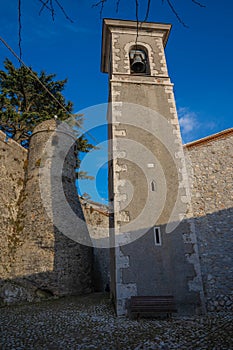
(110, 25)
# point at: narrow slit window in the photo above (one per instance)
(157, 236)
(153, 186)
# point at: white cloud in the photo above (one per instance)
(188, 121)
(193, 126)
(211, 125)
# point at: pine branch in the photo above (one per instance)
(25, 101)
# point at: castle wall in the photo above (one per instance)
(211, 180)
(42, 259)
(97, 220)
(50, 259)
(13, 161)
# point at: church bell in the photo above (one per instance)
(138, 61)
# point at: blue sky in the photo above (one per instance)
(199, 60)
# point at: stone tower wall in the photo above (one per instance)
(43, 259)
(145, 146)
(13, 162)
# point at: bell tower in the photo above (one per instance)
(152, 235)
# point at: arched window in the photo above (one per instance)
(139, 63)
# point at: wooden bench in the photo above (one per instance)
(151, 305)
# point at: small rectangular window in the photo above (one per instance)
(157, 236)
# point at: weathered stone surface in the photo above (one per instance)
(148, 152)
(13, 161)
(211, 180)
(97, 220)
(83, 323)
(34, 252)
(51, 264)
(21, 290)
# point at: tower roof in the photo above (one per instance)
(110, 25)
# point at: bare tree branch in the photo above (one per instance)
(101, 4)
(64, 12)
(44, 4)
(198, 3)
(52, 10)
(117, 5)
(49, 5)
(147, 10)
(176, 14)
(137, 19)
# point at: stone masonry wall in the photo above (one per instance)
(211, 180)
(141, 106)
(13, 160)
(38, 259)
(97, 220)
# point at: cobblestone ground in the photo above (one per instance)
(89, 323)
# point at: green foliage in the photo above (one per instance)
(25, 103)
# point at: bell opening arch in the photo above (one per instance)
(138, 60)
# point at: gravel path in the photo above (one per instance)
(89, 323)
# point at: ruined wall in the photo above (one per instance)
(13, 160)
(211, 180)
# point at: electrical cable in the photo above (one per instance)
(44, 87)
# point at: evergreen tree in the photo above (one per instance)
(24, 102)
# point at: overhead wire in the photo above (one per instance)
(20, 29)
(45, 88)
